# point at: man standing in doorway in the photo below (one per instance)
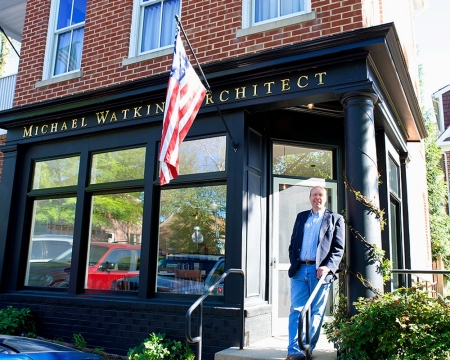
(317, 246)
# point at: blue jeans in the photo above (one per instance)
(302, 285)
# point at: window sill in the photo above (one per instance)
(149, 56)
(57, 79)
(276, 24)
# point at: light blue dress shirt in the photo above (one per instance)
(311, 236)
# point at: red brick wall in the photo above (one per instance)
(211, 33)
(2, 142)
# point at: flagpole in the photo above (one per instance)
(208, 88)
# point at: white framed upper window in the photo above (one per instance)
(263, 15)
(153, 26)
(269, 10)
(65, 37)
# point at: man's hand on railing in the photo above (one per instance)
(322, 270)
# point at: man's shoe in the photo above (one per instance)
(296, 357)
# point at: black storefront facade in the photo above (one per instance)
(347, 96)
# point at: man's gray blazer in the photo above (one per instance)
(330, 247)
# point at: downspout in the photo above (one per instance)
(446, 180)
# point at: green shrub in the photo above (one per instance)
(406, 324)
(79, 342)
(17, 322)
(158, 347)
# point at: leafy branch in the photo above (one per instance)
(369, 204)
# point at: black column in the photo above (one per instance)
(361, 173)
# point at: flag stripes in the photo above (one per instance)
(185, 94)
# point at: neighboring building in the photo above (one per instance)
(322, 93)
(441, 104)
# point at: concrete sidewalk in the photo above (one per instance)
(274, 348)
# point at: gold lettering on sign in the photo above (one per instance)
(209, 98)
(160, 108)
(285, 85)
(136, 112)
(222, 99)
(240, 91)
(320, 75)
(125, 112)
(299, 82)
(101, 116)
(27, 132)
(269, 84)
(110, 116)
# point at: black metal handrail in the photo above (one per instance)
(409, 271)
(199, 303)
(307, 311)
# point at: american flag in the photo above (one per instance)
(185, 94)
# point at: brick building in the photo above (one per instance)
(319, 93)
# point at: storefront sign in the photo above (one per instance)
(249, 93)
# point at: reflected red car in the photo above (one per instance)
(107, 262)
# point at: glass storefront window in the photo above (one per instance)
(191, 239)
(202, 155)
(119, 165)
(302, 161)
(56, 173)
(50, 250)
(115, 241)
(394, 177)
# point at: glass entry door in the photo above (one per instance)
(290, 196)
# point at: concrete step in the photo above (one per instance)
(274, 348)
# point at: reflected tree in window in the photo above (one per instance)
(118, 214)
(54, 216)
(184, 210)
(304, 162)
(203, 156)
(191, 208)
(116, 166)
(56, 173)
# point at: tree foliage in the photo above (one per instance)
(437, 196)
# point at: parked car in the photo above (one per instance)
(211, 267)
(18, 348)
(47, 247)
(107, 262)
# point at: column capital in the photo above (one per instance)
(344, 98)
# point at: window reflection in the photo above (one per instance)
(50, 250)
(191, 239)
(202, 155)
(115, 241)
(119, 165)
(393, 177)
(56, 173)
(301, 161)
